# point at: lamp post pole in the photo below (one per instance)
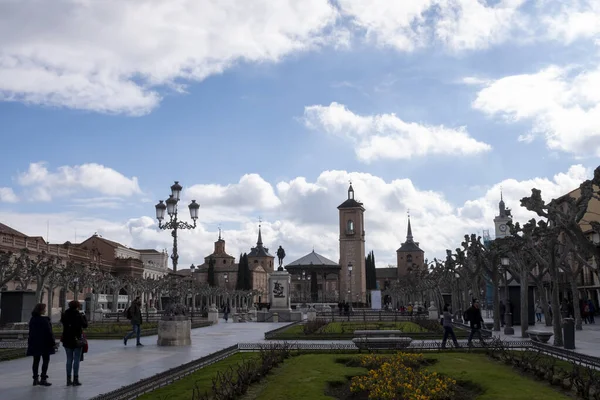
(508, 329)
(350, 282)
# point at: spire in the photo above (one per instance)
(501, 205)
(259, 242)
(409, 235)
(219, 232)
(350, 192)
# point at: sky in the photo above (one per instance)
(265, 111)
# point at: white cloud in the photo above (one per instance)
(251, 193)
(112, 56)
(563, 105)
(385, 136)
(307, 217)
(66, 180)
(574, 20)
(458, 24)
(7, 195)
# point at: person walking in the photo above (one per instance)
(538, 311)
(502, 312)
(40, 343)
(226, 311)
(134, 313)
(448, 329)
(473, 316)
(74, 322)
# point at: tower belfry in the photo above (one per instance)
(353, 285)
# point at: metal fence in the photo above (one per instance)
(370, 315)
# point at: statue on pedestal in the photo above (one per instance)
(280, 257)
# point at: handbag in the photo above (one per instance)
(85, 346)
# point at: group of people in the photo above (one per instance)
(472, 316)
(42, 343)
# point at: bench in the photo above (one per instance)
(378, 333)
(539, 336)
(382, 343)
(14, 334)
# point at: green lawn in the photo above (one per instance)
(182, 389)
(307, 376)
(303, 377)
(499, 381)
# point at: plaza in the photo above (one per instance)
(110, 365)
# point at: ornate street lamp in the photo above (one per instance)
(170, 206)
(508, 329)
(174, 224)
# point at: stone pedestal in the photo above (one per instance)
(433, 312)
(175, 331)
(213, 314)
(279, 291)
(98, 315)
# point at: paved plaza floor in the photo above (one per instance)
(110, 365)
(587, 341)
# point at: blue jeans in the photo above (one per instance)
(136, 331)
(73, 358)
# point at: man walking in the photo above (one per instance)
(134, 314)
(473, 316)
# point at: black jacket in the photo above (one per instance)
(473, 315)
(73, 323)
(41, 339)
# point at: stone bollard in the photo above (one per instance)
(433, 312)
(569, 333)
(275, 317)
(311, 314)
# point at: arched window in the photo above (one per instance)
(409, 258)
(350, 227)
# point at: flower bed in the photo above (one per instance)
(400, 377)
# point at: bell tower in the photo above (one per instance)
(353, 283)
(502, 219)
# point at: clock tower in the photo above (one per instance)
(502, 219)
(353, 283)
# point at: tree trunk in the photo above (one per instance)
(556, 317)
(544, 300)
(39, 289)
(50, 301)
(495, 283)
(576, 308)
(524, 302)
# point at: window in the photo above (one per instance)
(350, 227)
(409, 258)
(255, 261)
(224, 261)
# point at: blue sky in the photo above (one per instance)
(224, 113)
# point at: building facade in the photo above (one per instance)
(409, 257)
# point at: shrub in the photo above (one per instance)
(397, 377)
(233, 383)
(313, 326)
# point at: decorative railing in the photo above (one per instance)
(16, 243)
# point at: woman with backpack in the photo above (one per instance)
(74, 322)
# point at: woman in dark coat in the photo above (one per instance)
(40, 344)
(74, 322)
